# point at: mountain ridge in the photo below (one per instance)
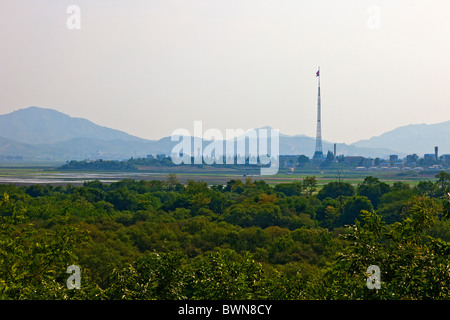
(413, 138)
(53, 126)
(42, 133)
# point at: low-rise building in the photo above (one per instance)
(446, 158)
(368, 162)
(429, 157)
(356, 160)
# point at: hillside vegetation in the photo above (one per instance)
(243, 240)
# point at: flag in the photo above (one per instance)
(317, 73)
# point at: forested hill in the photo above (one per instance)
(243, 240)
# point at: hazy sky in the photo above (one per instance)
(149, 67)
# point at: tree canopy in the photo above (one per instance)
(245, 240)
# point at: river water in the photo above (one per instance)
(71, 178)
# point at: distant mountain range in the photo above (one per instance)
(414, 138)
(45, 134)
(35, 125)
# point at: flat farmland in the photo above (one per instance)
(48, 173)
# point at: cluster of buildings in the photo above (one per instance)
(432, 161)
(429, 161)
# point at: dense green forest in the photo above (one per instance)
(243, 240)
(133, 164)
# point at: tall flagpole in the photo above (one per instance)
(318, 154)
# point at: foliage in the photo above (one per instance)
(373, 189)
(413, 266)
(245, 240)
(310, 184)
(152, 276)
(335, 190)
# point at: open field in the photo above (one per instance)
(48, 173)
